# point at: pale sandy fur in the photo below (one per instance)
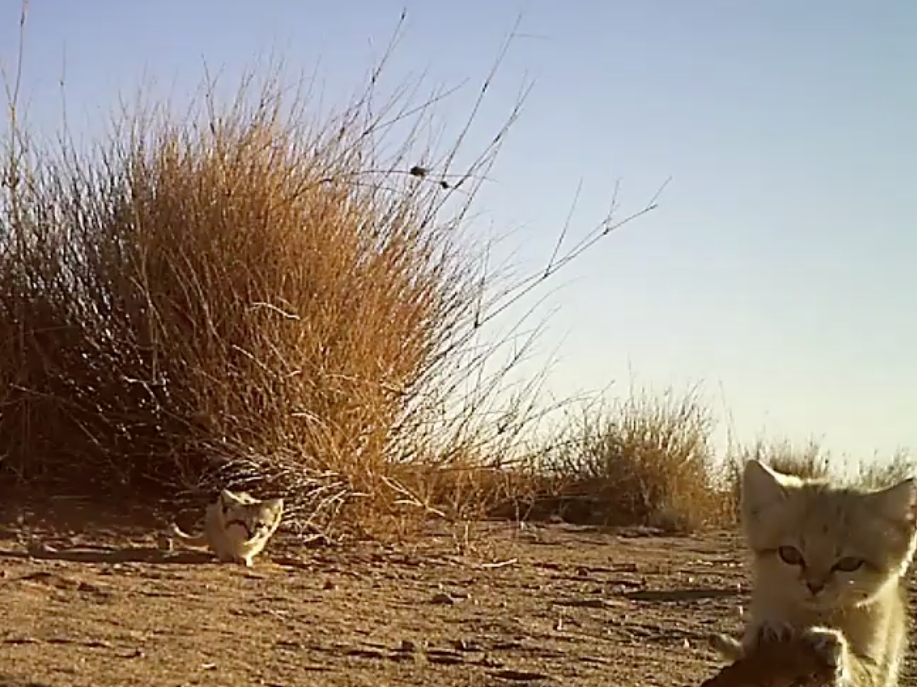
(856, 615)
(237, 526)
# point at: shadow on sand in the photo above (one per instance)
(106, 554)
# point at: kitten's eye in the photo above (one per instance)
(849, 564)
(790, 555)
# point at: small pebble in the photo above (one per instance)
(443, 598)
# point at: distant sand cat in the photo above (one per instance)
(237, 526)
(829, 563)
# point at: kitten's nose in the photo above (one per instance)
(815, 586)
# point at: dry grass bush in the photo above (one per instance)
(252, 296)
(645, 460)
(878, 475)
(649, 460)
(233, 297)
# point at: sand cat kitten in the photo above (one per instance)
(237, 526)
(830, 562)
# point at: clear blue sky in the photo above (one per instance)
(781, 268)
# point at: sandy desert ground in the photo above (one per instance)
(499, 604)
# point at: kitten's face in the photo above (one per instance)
(822, 546)
(246, 518)
(265, 518)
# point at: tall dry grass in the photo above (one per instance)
(883, 474)
(645, 459)
(247, 295)
(809, 461)
(237, 296)
(650, 459)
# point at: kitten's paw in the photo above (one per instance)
(771, 631)
(831, 647)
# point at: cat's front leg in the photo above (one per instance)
(829, 645)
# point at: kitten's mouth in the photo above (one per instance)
(820, 602)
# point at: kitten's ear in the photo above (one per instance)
(761, 486)
(898, 503)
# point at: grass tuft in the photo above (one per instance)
(255, 296)
(644, 460)
(235, 297)
(810, 461)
